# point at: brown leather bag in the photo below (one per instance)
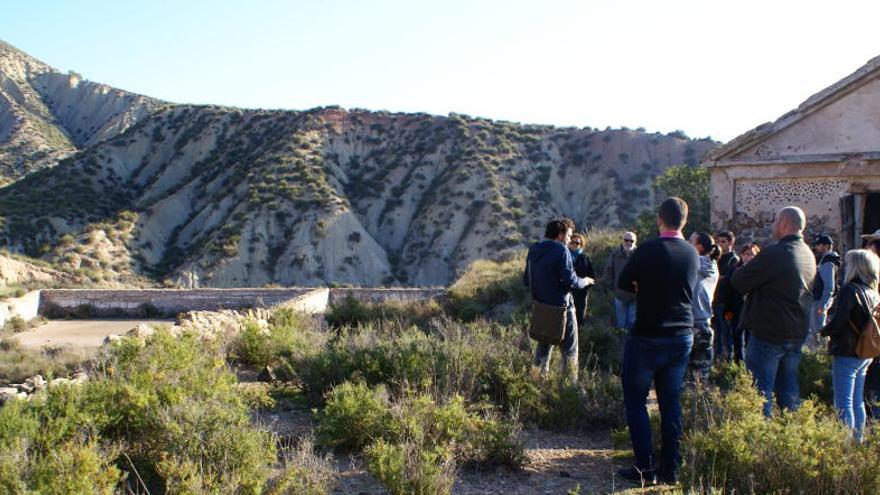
(868, 345)
(548, 321)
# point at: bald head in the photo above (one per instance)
(789, 221)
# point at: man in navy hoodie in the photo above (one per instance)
(550, 274)
(662, 272)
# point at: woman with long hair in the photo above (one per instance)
(701, 353)
(853, 309)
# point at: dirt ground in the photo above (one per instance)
(557, 463)
(77, 333)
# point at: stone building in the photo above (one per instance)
(824, 156)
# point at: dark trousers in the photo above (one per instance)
(663, 361)
(723, 342)
(702, 353)
(872, 390)
(580, 307)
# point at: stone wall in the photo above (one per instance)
(99, 303)
(57, 303)
(745, 197)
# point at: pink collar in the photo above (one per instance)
(671, 234)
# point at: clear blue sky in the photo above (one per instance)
(706, 67)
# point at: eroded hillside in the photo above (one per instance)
(46, 116)
(224, 197)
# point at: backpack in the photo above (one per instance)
(868, 345)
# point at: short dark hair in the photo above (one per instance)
(726, 234)
(673, 212)
(558, 226)
(874, 243)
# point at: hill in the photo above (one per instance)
(214, 196)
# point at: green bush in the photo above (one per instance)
(487, 285)
(352, 313)
(166, 407)
(357, 415)
(354, 416)
(814, 376)
(730, 446)
(304, 473)
(410, 468)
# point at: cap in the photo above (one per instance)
(871, 237)
(823, 239)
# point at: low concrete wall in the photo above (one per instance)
(25, 307)
(315, 302)
(150, 303)
(381, 295)
(58, 303)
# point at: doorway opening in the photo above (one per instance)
(871, 218)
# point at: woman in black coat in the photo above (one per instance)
(853, 310)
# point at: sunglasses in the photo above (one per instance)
(628, 241)
(576, 243)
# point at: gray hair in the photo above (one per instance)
(862, 265)
(794, 217)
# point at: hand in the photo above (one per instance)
(822, 311)
(728, 315)
(636, 287)
(589, 281)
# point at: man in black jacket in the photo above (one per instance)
(778, 285)
(724, 329)
(549, 273)
(662, 273)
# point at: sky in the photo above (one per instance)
(706, 67)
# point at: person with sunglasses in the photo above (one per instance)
(624, 302)
(583, 266)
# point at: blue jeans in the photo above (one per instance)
(775, 370)
(664, 361)
(848, 381)
(569, 345)
(723, 344)
(625, 311)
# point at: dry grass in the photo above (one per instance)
(18, 363)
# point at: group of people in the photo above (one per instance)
(685, 302)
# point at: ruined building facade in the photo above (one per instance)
(823, 156)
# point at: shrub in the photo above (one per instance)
(18, 363)
(487, 285)
(15, 324)
(410, 468)
(730, 446)
(304, 473)
(352, 313)
(167, 407)
(354, 416)
(814, 376)
(357, 415)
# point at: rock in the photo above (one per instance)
(8, 393)
(25, 387)
(267, 375)
(112, 338)
(59, 381)
(37, 381)
(141, 331)
(80, 377)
